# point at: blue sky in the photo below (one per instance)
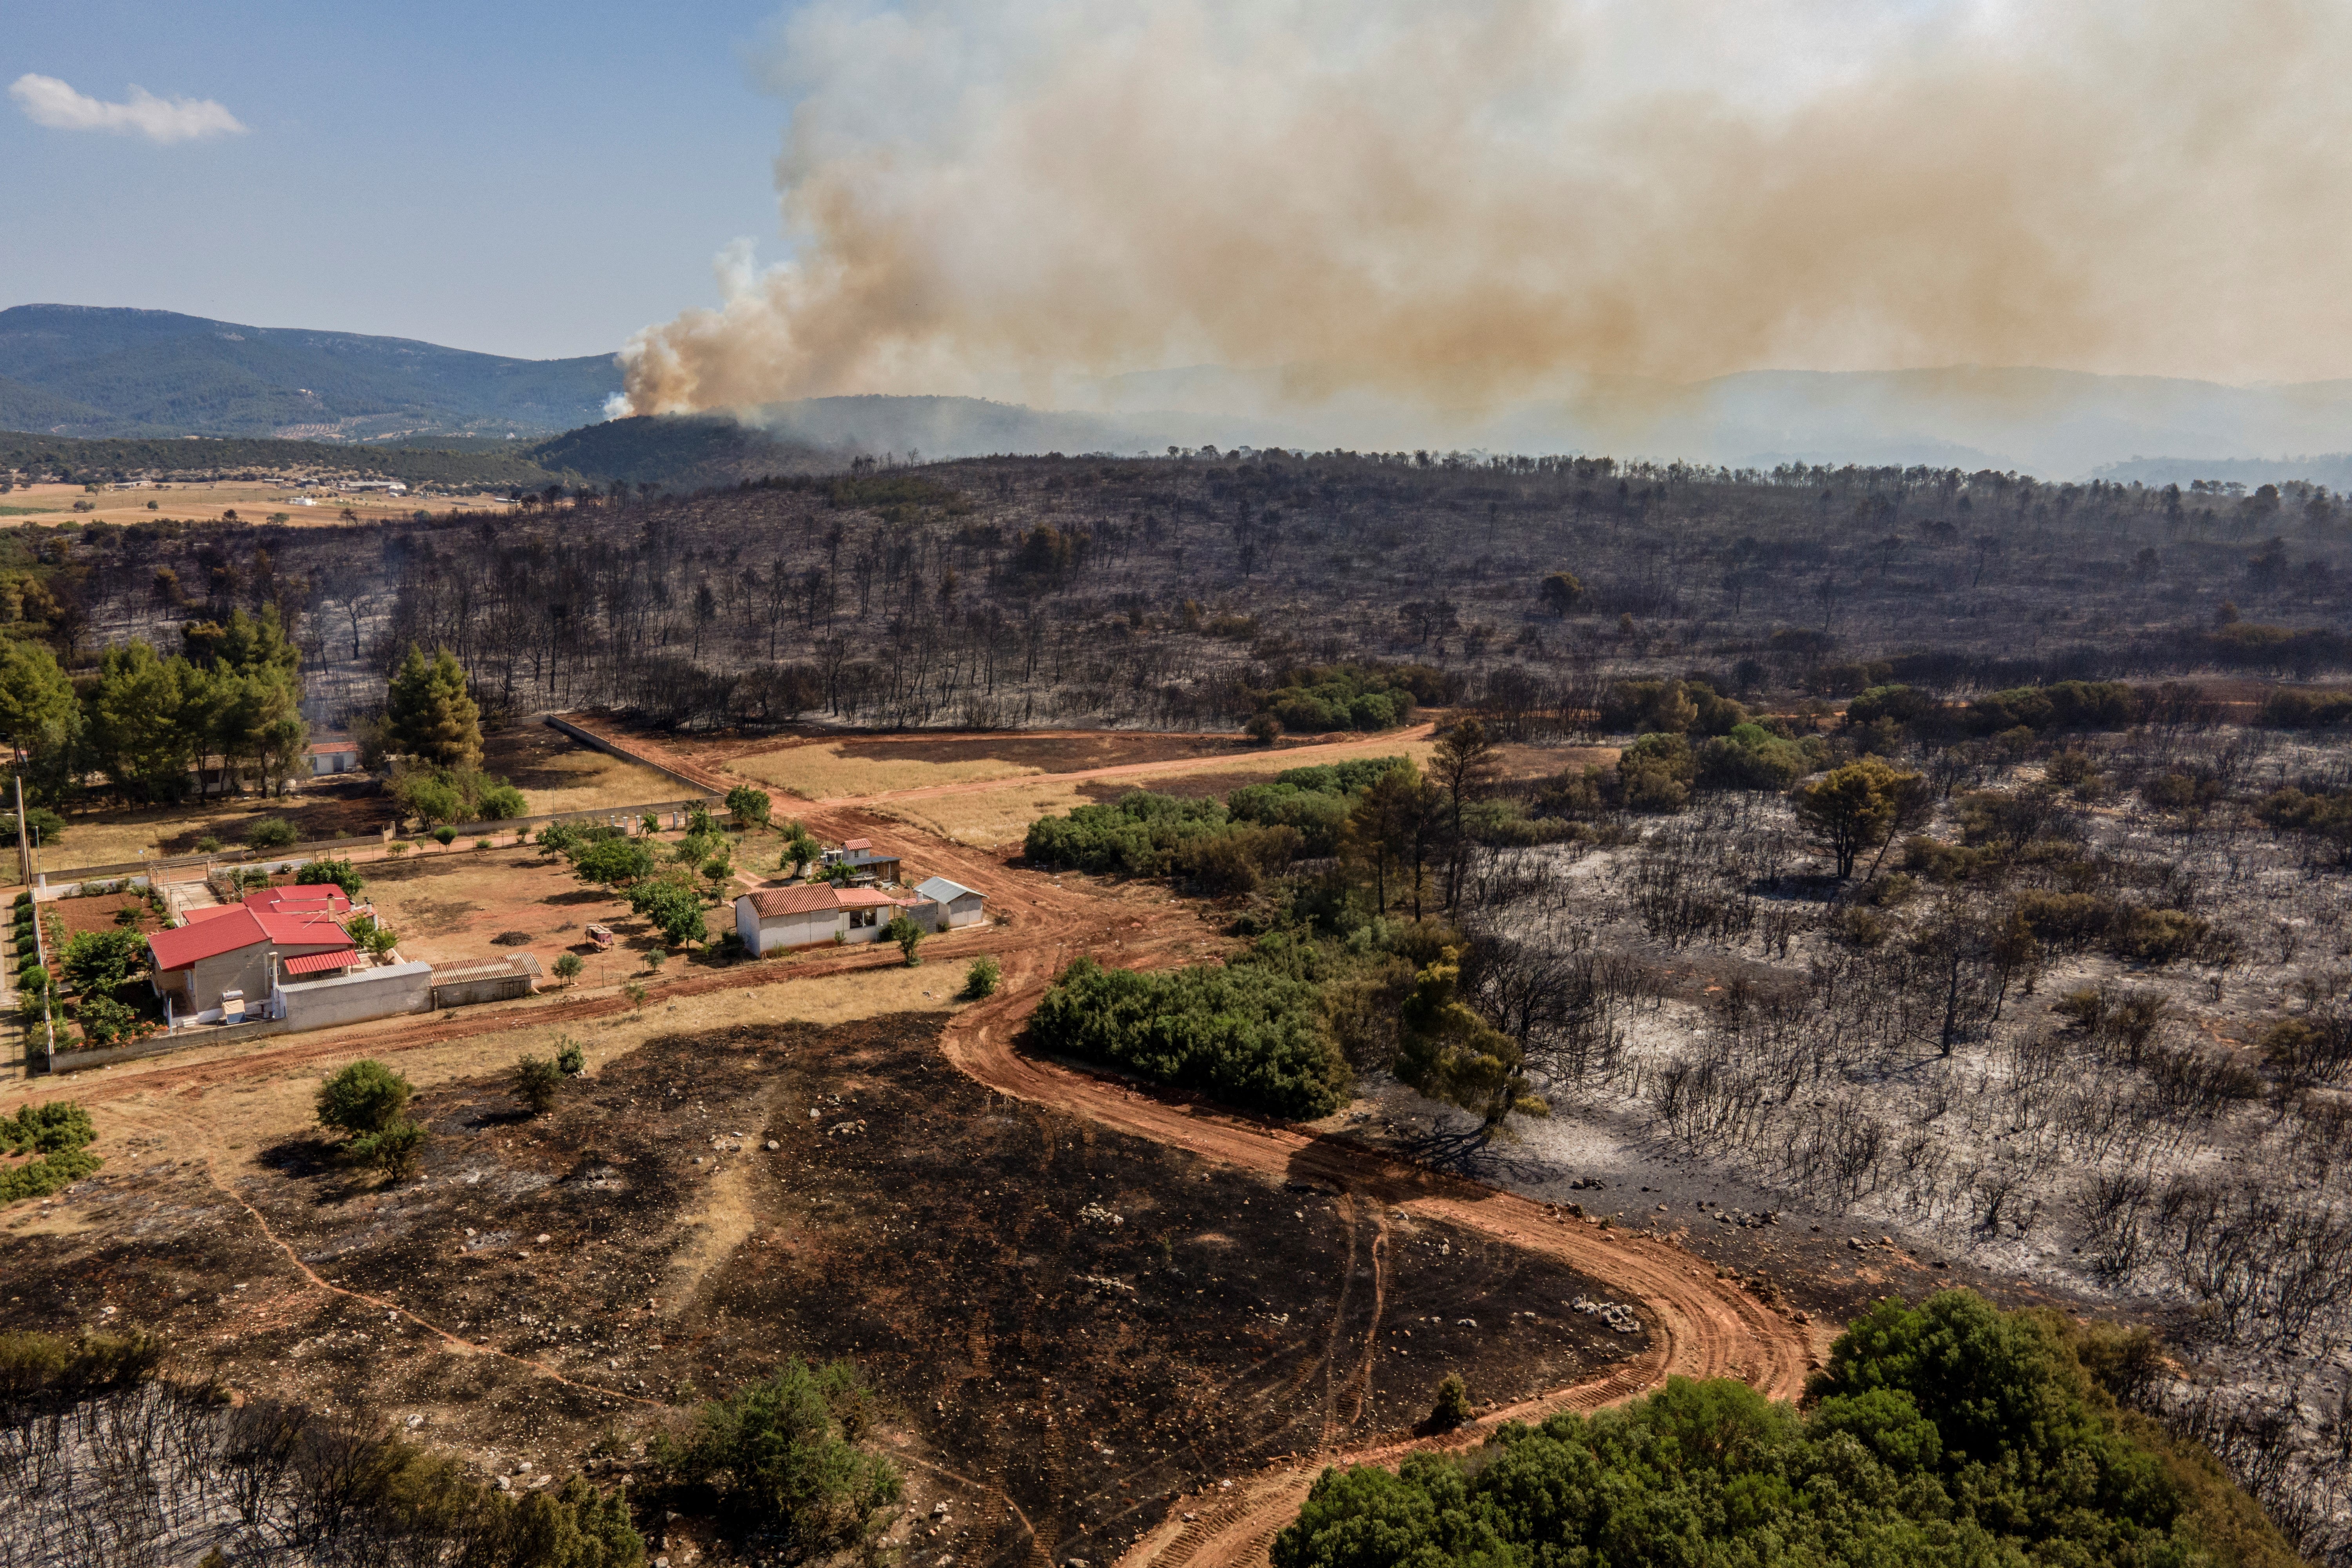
(510, 175)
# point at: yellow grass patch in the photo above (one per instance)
(823, 772)
(1001, 817)
(595, 781)
(253, 502)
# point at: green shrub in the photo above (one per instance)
(1941, 1434)
(782, 1458)
(270, 833)
(567, 966)
(1243, 1034)
(981, 979)
(364, 1095)
(1452, 1406)
(396, 1150)
(108, 1022)
(445, 835)
(907, 935)
(570, 1059)
(58, 1135)
(536, 1081)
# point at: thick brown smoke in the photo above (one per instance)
(1462, 204)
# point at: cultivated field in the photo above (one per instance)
(253, 502)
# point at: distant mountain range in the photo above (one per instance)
(89, 372)
(73, 370)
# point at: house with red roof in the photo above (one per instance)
(281, 934)
(775, 918)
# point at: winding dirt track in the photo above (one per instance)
(1697, 1326)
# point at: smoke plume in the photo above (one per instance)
(1462, 204)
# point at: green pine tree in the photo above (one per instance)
(428, 714)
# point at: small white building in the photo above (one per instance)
(956, 905)
(334, 757)
(774, 920)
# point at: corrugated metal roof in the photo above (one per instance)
(939, 890)
(770, 903)
(319, 963)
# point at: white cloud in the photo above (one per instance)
(48, 101)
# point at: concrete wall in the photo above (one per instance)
(780, 932)
(244, 969)
(358, 996)
(489, 988)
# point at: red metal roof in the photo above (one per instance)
(328, 748)
(239, 926)
(303, 896)
(857, 844)
(316, 963)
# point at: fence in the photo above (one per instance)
(590, 738)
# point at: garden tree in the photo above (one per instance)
(612, 862)
(749, 804)
(270, 833)
(568, 967)
(37, 700)
(428, 713)
(1858, 808)
(1462, 766)
(907, 935)
(1447, 1052)
(95, 961)
(783, 1457)
(245, 645)
(341, 873)
(140, 722)
(536, 1081)
(373, 935)
(1560, 593)
(673, 906)
(800, 848)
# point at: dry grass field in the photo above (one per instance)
(831, 771)
(303, 506)
(988, 817)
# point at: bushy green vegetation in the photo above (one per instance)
(368, 1103)
(1136, 836)
(231, 699)
(1945, 1434)
(1245, 1032)
(57, 1135)
(430, 714)
(1317, 700)
(782, 1462)
(451, 794)
(981, 979)
(1315, 800)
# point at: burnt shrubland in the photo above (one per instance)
(1332, 591)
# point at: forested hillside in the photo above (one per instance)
(81, 371)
